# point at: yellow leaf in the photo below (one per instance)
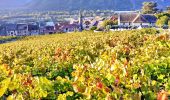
(69, 93)
(153, 82)
(88, 92)
(4, 85)
(11, 97)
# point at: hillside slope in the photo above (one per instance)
(92, 4)
(78, 4)
(7, 4)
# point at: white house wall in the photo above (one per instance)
(12, 33)
(136, 24)
(23, 32)
(139, 24)
(34, 32)
(126, 24)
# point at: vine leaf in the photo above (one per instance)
(4, 85)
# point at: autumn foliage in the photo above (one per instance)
(123, 65)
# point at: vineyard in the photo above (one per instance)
(4, 39)
(127, 65)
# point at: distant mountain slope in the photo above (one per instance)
(78, 4)
(92, 4)
(5, 4)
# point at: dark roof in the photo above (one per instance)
(33, 27)
(87, 22)
(70, 26)
(42, 24)
(137, 18)
(22, 26)
(50, 28)
(63, 23)
(127, 17)
(11, 27)
(95, 23)
(2, 31)
(140, 19)
(150, 18)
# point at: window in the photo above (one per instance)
(66, 29)
(12, 33)
(129, 23)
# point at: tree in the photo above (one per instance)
(93, 28)
(169, 23)
(159, 15)
(162, 21)
(109, 23)
(168, 9)
(149, 8)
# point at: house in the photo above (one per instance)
(69, 28)
(136, 19)
(87, 25)
(33, 29)
(89, 22)
(82, 22)
(22, 29)
(48, 28)
(2, 30)
(42, 26)
(114, 17)
(66, 27)
(11, 29)
(58, 26)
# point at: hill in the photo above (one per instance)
(9, 4)
(92, 4)
(78, 4)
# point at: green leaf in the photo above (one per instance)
(161, 77)
(110, 77)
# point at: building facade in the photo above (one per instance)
(136, 19)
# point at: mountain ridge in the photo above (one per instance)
(79, 4)
(10, 4)
(92, 4)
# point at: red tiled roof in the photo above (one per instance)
(114, 18)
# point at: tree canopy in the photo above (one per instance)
(168, 9)
(149, 8)
(109, 22)
(162, 21)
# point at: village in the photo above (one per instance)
(40, 23)
(123, 20)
